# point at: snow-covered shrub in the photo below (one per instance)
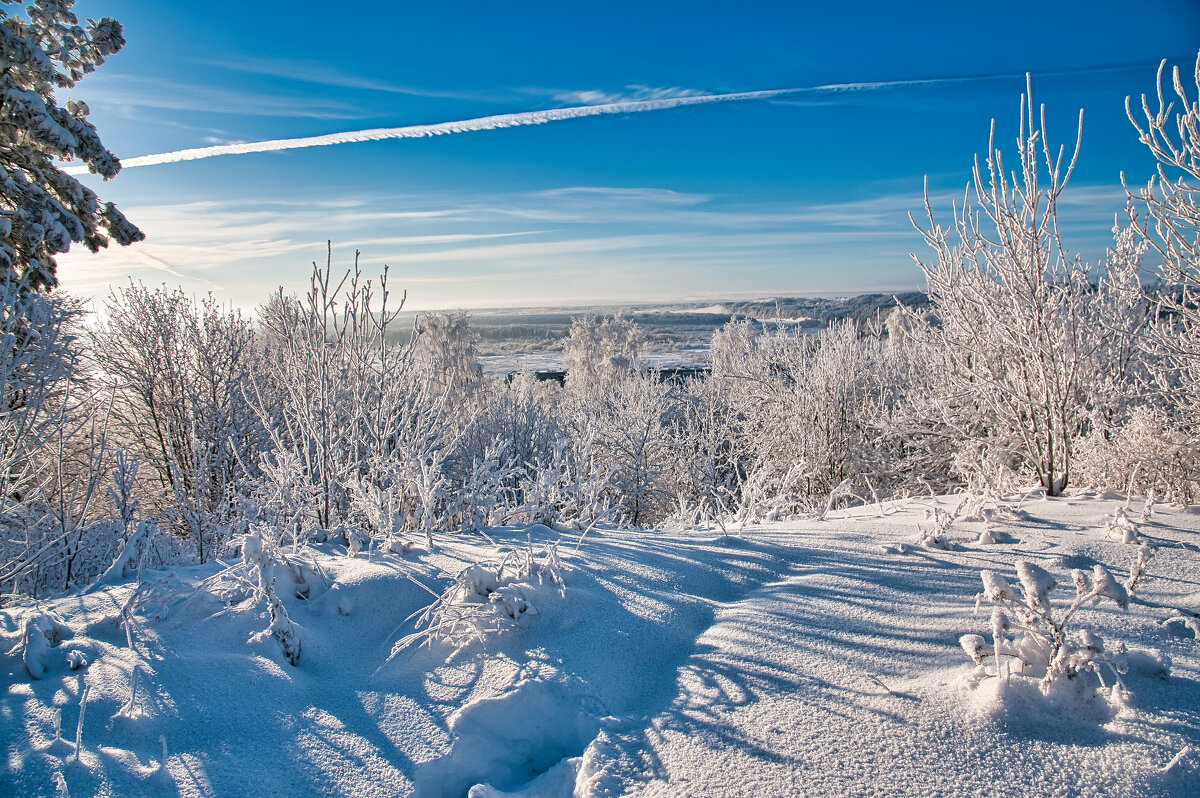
(598, 351)
(1031, 637)
(569, 486)
(934, 535)
(1119, 526)
(1171, 199)
(42, 632)
(132, 558)
(627, 424)
(486, 599)
(181, 368)
(332, 388)
(813, 416)
(45, 557)
(52, 441)
(707, 468)
(39, 368)
(1021, 325)
(1146, 453)
(482, 493)
(446, 355)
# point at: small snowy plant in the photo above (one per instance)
(1121, 527)
(485, 600)
(1031, 637)
(262, 558)
(935, 536)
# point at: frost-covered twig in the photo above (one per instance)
(129, 709)
(83, 697)
(1175, 760)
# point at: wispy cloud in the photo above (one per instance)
(324, 74)
(636, 93)
(577, 241)
(126, 93)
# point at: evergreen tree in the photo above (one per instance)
(43, 210)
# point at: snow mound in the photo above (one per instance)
(529, 734)
(43, 631)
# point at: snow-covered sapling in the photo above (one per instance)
(1148, 509)
(257, 554)
(282, 629)
(935, 536)
(1138, 569)
(1028, 633)
(60, 786)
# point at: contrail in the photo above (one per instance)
(514, 120)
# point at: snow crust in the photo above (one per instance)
(800, 658)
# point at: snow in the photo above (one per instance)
(801, 657)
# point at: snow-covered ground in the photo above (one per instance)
(793, 658)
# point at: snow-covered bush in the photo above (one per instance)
(598, 351)
(569, 486)
(934, 533)
(625, 424)
(53, 441)
(446, 355)
(1020, 323)
(334, 391)
(483, 493)
(813, 419)
(42, 632)
(1171, 198)
(1031, 637)
(707, 469)
(40, 376)
(1146, 454)
(487, 599)
(181, 368)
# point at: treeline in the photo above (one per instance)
(176, 427)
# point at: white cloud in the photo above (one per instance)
(635, 93)
(323, 74)
(127, 93)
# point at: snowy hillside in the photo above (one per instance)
(814, 657)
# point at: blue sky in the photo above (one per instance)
(804, 193)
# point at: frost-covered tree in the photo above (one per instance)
(446, 354)
(42, 393)
(811, 414)
(339, 400)
(181, 367)
(42, 208)
(1171, 131)
(1017, 326)
(635, 443)
(599, 350)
